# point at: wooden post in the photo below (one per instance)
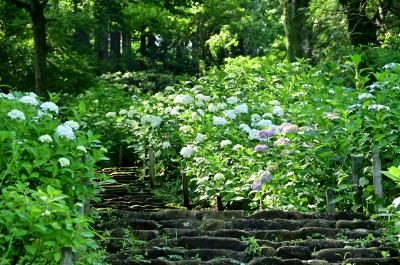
(330, 204)
(377, 176)
(185, 190)
(220, 206)
(145, 161)
(120, 155)
(356, 164)
(152, 171)
(66, 256)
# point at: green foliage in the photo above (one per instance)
(47, 171)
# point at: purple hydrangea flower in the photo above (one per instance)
(260, 148)
(256, 185)
(264, 134)
(266, 178)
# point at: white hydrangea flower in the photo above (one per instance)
(230, 114)
(111, 114)
(264, 123)
(396, 202)
(232, 100)
(237, 147)
(219, 176)
(64, 162)
(81, 148)
(154, 121)
(122, 112)
(45, 138)
(201, 112)
(225, 143)
(16, 114)
(203, 98)
(175, 111)
(73, 124)
(200, 138)
(167, 110)
(195, 116)
(49, 106)
(183, 99)
(184, 128)
(200, 104)
(378, 107)
(7, 96)
(221, 106)
(274, 102)
(255, 118)
(278, 111)
(219, 120)
(242, 108)
(390, 66)
(244, 127)
(253, 134)
(166, 145)
(365, 96)
(65, 131)
(187, 151)
(29, 100)
(31, 94)
(212, 108)
(131, 113)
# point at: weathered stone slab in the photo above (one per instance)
(339, 254)
(346, 224)
(212, 243)
(294, 252)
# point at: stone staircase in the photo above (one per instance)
(142, 230)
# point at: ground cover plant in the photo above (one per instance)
(47, 171)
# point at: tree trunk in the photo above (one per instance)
(36, 11)
(115, 49)
(126, 51)
(143, 45)
(298, 33)
(361, 28)
(101, 43)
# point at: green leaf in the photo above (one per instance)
(31, 249)
(356, 58)
(363, 182)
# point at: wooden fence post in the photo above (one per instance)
(330, 204)
(145, 161)
(120, 155)
(377, 176)
(66, 256)
(152, 171)
(185, 190)
(220, 206)
(356, 165)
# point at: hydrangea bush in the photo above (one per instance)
(260, 134)
(47, 171)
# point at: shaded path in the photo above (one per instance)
(143, 231)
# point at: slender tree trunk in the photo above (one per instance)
(115, 49)
(298, 33)
(143, 44)
(101, 43)
(126, 50)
